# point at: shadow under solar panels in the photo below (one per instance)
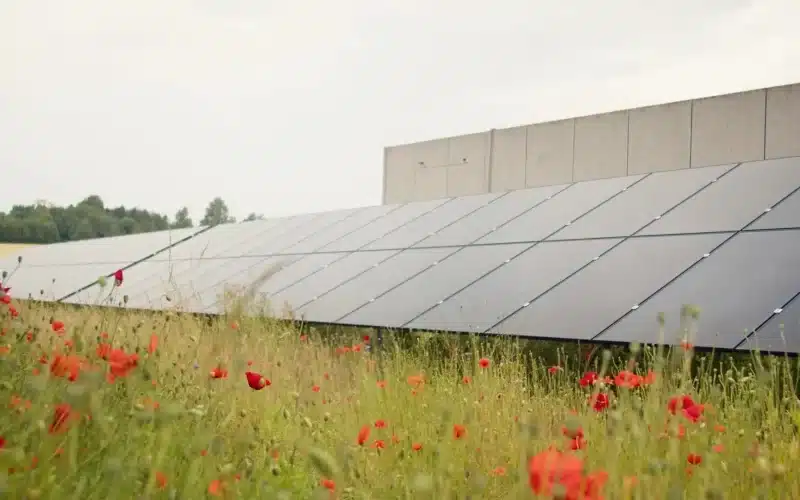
(780, 333)
(594, 297)
(735, 288)
(733, 201)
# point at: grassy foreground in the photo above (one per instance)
(112, 404)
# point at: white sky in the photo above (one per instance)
(284, 107)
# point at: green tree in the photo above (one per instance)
(89, 218)
(253, 216)
(182, 219)
(217, 213)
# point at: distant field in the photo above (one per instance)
(10, 248)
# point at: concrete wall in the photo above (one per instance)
(748, 126)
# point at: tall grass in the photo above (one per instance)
(434, 420)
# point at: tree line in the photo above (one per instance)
(44, 223)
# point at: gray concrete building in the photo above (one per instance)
(761, 124)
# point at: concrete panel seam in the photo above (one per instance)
(628, 144)
(490, 166)
(572, 171)
(691, 130)
(525, 161)
(698, 261)
(546, 238)
(453, 294)
(766, 110)
(385, 161)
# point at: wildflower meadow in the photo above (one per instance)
(109, 403)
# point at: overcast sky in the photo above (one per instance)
(284, 107)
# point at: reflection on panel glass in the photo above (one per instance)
(781, 334)
(491, 216)
(300, 228)
(187, 276)
(597, 295)
(382, 226)
(247, 277)
(733, 289)
(114, 249)
(562, 209)
(642, 203)
(489, 300)
(428, 224)
(224, 238)
(341, 229)
(319, 283)
(372, 283)
(421, 292)
(303, 266)
(785, 215)
(734, 200)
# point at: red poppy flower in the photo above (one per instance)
(363, 435)
(599, 402)
(589, 378)
(256, 381)
(484, 362)
(554, 369)
(459, 431)
(694, 459)
(118, 277)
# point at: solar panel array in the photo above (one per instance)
(595, 260)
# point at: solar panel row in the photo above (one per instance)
(592, 260)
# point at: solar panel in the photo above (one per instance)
(189, 256)
(513, 281)
(350, 224)
(642, 203)
(429, 223)
(379, 228)
(785, 215)
(325, 279)
(733, 201)
(404, 300)
(191, 278)
(607, 288)
(80, 263)
(493, 215)
(595, 260)
(366, 288)
(736, 287)
(564, 208)
(780, 333)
